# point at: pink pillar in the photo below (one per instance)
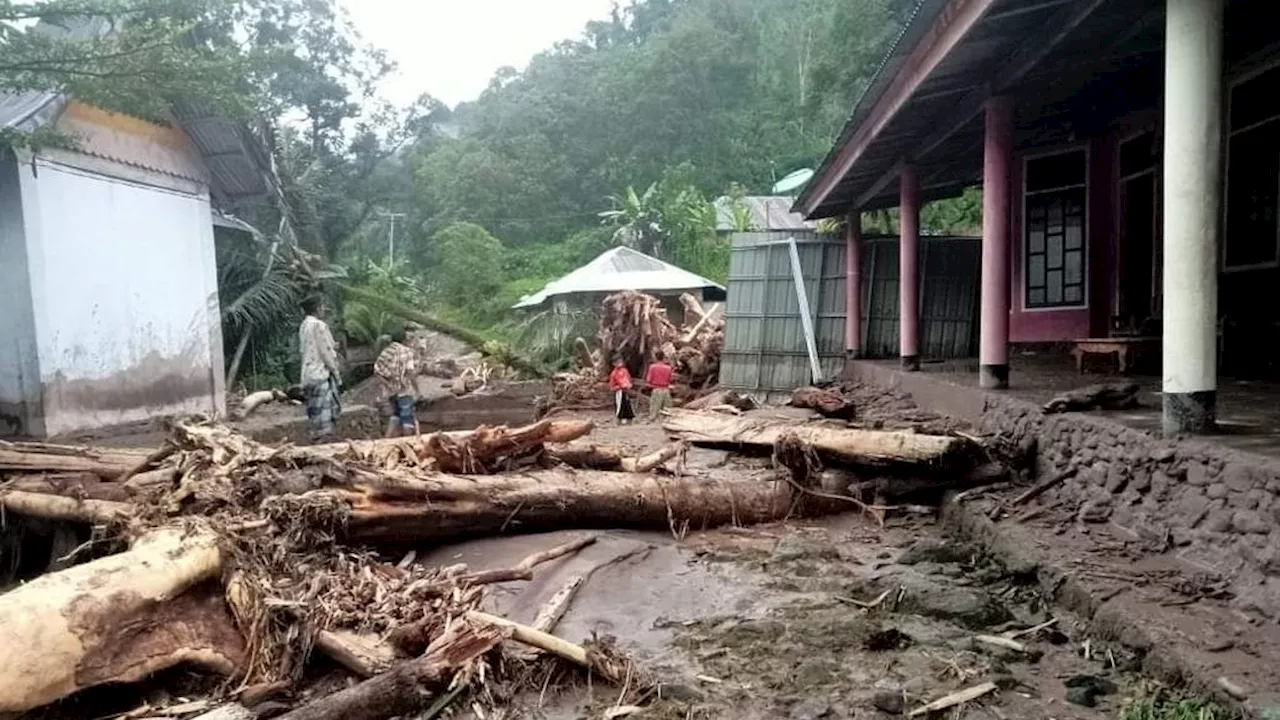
(853, 286)
(993, 355)
(909, 268)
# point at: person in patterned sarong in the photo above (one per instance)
(321, 378)
(396, 369)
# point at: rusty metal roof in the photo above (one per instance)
(1064, 61)
(236, 158)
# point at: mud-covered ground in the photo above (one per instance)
(788, 633)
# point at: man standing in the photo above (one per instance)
(658, 378)
(321, 376)
(397, 368)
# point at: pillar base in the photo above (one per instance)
(911, 363)
(1194, 412)
(993, 377)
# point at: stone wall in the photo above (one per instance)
(1216, 508)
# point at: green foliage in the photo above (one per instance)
(365, 322)
(548, 336)
(1156, 702)
(467, 272)
(954, 216)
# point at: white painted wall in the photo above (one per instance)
(123, 281)
(19, 365)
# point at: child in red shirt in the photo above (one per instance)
(658, 378)
(620, 384)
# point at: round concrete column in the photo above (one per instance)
(1191, 206)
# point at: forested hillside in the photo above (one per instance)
(623, 134)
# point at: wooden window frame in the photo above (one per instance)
(1085, 233)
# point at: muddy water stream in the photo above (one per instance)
(769, 622)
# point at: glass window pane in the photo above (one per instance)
(1035, 297)
(1053, 289)
(1035, 242)
(1075, 232)
(1073, 294)
(1054, 252)
(1035, 271)
(1055, 216)
(1073, 272)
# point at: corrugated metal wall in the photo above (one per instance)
(764, 347)
(951, 268)
(764, 340)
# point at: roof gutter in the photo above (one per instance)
(947, 28)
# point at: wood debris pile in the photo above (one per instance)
(634, 326)
(246, 560)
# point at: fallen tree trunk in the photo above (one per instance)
(870, 448)
(116, 619)
(463, 451)
(829, 402)
(446, 507)
(410, 684)
(431, 322)
(83, 485)
(58, 507)
(33, 457)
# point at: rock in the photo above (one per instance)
(887, 639)
(811, 709)
(1243, 500)
(1248, 521)
(1238, 476)
(1094, 511)
(1160, 483)
(1217, 491)
(892, 702)
(1141, 481)
(1197, 475)
(1084, 690)
(935, 550)
(1219, 521)
(1192, 506)
(970, 607)
(1116, 479)
(1163, 454)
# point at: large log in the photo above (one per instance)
(849, 446)
(69, 509)
(434, 508)
(33, 457)
(463, 451)
(410, 684)
(116, 619)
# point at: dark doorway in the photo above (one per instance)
(1137, 247)
(1139, 253)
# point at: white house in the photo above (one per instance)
(108, 285)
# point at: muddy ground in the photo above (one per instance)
(769, 622)
(843, 618)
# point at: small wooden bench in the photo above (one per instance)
(1126, 349)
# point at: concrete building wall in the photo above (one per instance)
(19, 365)
(123, 282)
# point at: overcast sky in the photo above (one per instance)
(450, 48)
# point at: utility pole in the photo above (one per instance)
(391, 236)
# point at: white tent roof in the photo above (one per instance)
(616, 270)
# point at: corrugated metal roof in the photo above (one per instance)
(616, 270)
(29, 110)
(768, 212)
